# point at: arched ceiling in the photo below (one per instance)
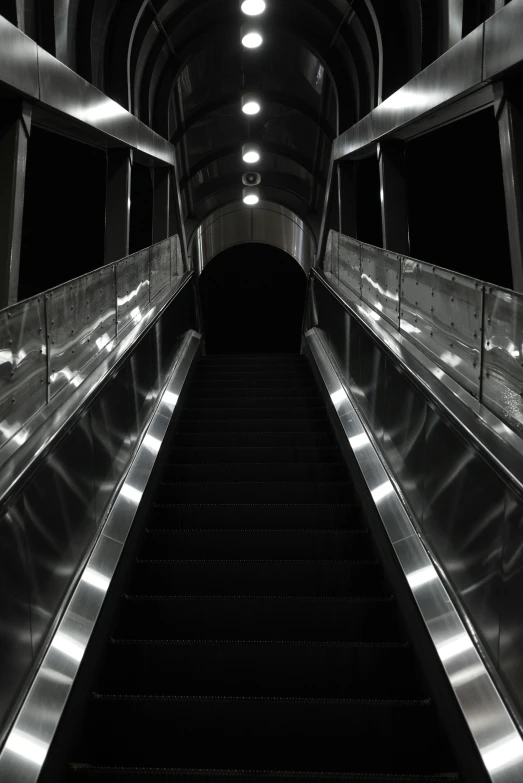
(179, 65)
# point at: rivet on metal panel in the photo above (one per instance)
(451, 298)
(488, 342)
(9, 315)
(13, 399)
(452, 323)
(453, 279)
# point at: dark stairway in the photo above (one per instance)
(258, 638)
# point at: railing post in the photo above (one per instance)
(118, 204)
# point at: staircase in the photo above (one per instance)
(258, 639)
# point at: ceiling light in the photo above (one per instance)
(251, 196)
(250, 103)
(251, 37)
(251, 153)
(253, 7)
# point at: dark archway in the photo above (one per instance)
(253, 297)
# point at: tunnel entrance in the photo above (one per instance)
(253, 297)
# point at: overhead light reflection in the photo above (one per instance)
(95, 578)
(28, 747)
(454, 646)
(252, 39)
(422, 576)
(131, 493)
(358, 442)
(250, 103)
(251, 153)
(503, 754)
(68, 646)
(382, 491)
(251, 196)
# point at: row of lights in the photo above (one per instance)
(251, 152)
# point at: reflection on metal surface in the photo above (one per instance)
(266, 223)
(30, 738)
(503, 355)
(380, 281)
(451, 76)
(441, 311)
(491, 726)
(471, 330)
(457, 465)
(50, 343)
(23, 365)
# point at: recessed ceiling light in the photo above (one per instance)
(250, 103)
(251, 153)
(253, 7)
(251, 196)
(251, 38)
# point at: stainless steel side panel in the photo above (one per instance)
(503, 355)
(160, 266)
(81, 322)
(380, 281)
(349, 263)
(23, 365)
(133, 288)
(441, 312)
(458, 70)
(18, 59)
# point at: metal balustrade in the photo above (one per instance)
(472, 330)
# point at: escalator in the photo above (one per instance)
(257, 637)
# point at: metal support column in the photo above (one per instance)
(347, 172)
(393, 189)
(15, 129)
(452, 30)
(161, 203)
(509, 113)
(118, 204)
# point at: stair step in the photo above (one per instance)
(255, 618)
(256, 402)
(263, 733)
(242, 515)
(249, 358)
(278, 544)
(259, 413)
(262, 471)
(254, 438)
(255, 492)
(257, 577)
(290, 669)
(282, 391)
(87, 772)
(267, 454)
(242, 425)
(241, 381)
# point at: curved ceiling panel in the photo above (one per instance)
(180, 66)
(267, 223)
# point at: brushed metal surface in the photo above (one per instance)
(81, 323)
(503, 41)
(18, 60)
(160, 266)
(380, 281)
(441, 311)
(502, 369)
(456, 72)
(491, 726)
(15, 611)
(59, 524)
(29, 739)
(266, 223)
(349, 262)
(132, 288)
(23, 365)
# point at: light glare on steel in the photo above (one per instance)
(28, 747)
(131, 493)
(251, 199)
(253, 7)
(251, 157)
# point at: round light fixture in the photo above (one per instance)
(250, 103)
(253, 7)
(251, 37)
(251, 153)
(251, 196)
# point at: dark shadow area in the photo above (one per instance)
(141, 227)
(368, 202)
(253, 297)
(64, 212)
(457, 211)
